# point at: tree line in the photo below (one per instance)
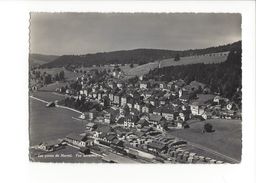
(223, 78)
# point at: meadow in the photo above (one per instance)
(226, 139)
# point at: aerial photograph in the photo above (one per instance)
(145, 88)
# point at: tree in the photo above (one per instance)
(208, 128)
(61, 75)
(177, 57)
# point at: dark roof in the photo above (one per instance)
(75, 136)
(142, 121)
(159, 110)
(104, 129)
(155, 117)
(111, 111)
(111, 137)
(185, 97)
(156, 145)
(167, 110)
(120, 120)
(90, 124)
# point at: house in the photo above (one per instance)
(153, 101)
(130, 102)
(90, 126)
(185, 98)
(50, 145)
(156, 147)
(197, 108)
(170, 84)
(146, 129)
(120, 120)
(158, 111)
(78, 140)
(147, 108)
(142, 123)
(117, 97)
(162, 85)
(124, 100)
(130, 121)
(111, 96)
(110, 115)
(161, 125)
(103, 129)
(100, 94)
(184, 115)
(163, 100)
(134, 112)
(116, 143)
(138, 105)
(143, 85)
(148, 93)
(120, 84)
(93, 114)
(168, 113)
(107, 139)
(179, 83)
(155, 119)
(124, 110)
(195, 86)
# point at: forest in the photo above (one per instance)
(136, 56)
(224, 78)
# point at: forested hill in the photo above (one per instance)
(137, 56)
(224, 78)
(39, 59)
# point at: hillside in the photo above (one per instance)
(206, 59)
(224, 78)
(39, 59)
(137, 56)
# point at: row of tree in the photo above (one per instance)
(224, 78)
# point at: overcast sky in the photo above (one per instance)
(82, 33)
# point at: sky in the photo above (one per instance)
(82, 33)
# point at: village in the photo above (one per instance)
(131, 120)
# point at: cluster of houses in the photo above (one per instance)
(146, 143)
(135, 114)
(152, 103)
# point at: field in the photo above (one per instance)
(143, 69)
(68, 74)
(126, 68)
(225, 140)
(51, 123)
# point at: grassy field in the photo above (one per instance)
(51, 123)
(143, 69)
(226, 139)
(68, 74)
(47, 96)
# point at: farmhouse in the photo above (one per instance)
(156, 147)
(78, 140)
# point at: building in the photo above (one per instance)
(110, 115)
(143, 85)
(90, 126)
(147, 108)
(78, 140)
(168, 113)
(156, 147)
(155, 119)
(130, 121)
(197, 108)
